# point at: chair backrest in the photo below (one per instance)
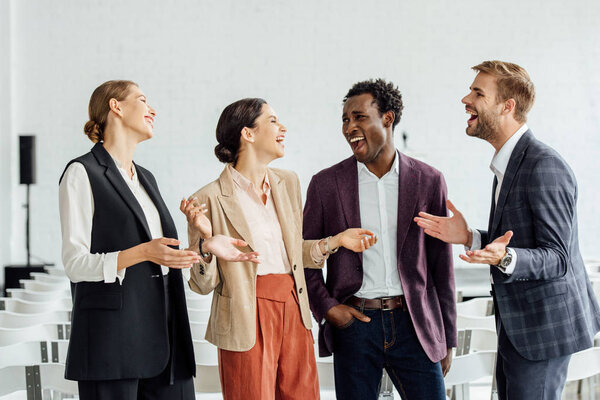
(198, 302)
(37, 286)
(35, 378)
(326, 373)
(477, 307)
(471, 340)
(34, 333)
(584, 364)
(16, 320)
(30, 295)
(38, 352)
(54, 271)
(470, 322)
(34, 307)
(205, 353)
(47, 278)
(470, 367)
(198, 315)
(198, 330)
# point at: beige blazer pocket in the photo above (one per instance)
(223, 315)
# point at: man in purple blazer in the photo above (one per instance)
(392, 306)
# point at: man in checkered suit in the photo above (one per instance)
(545, 306)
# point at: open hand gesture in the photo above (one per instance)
(452, 229)
(196, 216)
(224, 247)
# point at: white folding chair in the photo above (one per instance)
(54, 271)
(198, 302)
(35, 378)
(207, 369)
(470, 322)
(47, 278)
(9, 336)
(38, 352)
(584, 366)
(198, 330)
(36, 286)
(477, 307)
(16, 320)
(34, 307)
(29, 295)
(471, 340)
(198, 315)
(468, 368)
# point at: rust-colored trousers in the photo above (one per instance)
(281, 365)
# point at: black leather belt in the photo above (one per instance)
(382, 303)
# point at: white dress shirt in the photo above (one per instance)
(76, 205)
(498, 166)
(378, 203)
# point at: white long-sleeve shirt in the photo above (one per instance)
(76, 205)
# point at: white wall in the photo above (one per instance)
(193, 58)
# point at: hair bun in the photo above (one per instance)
(93, 131)
(224, 154)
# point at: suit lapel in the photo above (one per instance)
(168, 226)
(284, 211)
(408, 193)
(116, 179)
(347, 185)
(511, 170)
(232, 207)
(493, 206)
(346, 179)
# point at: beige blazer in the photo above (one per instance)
(232, 323)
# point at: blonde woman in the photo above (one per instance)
(130, 336)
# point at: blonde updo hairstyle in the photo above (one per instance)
(99, 108)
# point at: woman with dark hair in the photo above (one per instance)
(130, 334)
(260, 318)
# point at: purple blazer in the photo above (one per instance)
(424, 263)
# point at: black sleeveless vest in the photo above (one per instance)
(121, 331)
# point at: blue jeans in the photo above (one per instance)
(362, 350)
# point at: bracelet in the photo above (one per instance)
(327, 248)
(203, 255)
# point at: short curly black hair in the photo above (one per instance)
(386, 95)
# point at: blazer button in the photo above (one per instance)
(300, 290)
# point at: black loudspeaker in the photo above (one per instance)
(27, 159)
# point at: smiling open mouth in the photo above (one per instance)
(473, 116)
(356, 142)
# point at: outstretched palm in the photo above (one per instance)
(452, 229)
(224, 247)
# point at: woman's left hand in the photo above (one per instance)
(355, 239)
(226, 248)
(196, 216)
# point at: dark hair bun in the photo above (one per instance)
(224, 154)
(93, 131)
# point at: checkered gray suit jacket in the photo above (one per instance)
(547, 306)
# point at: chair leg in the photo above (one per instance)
(386, 387)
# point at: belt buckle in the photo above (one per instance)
(384, 300)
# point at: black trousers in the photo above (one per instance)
(165, 386)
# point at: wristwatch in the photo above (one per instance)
(203, 255)
(505, 261)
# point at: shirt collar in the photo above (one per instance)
(244, 183)
(502, 157)
(120, 167)
(362, 168)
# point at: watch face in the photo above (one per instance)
(506, 260)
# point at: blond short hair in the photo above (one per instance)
(513, 83)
